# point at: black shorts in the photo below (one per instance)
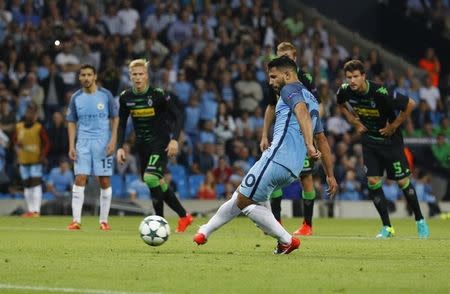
(389, 158)
(152, 158)
(308, 167)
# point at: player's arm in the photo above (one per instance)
(114, 121)
(269, 116)
(172, 147)
(327, 162)
(349, 116)
(304, 119)
(72, 118)
(124, 113)
(405, 105)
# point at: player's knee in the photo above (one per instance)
(104, 182)
(80, 180)
(403, 183)
(309, 195)
(151, 180)
(374, 183)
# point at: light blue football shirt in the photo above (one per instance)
(92, 113)
(288, 145)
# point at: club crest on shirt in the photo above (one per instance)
(100, 106)
(150, 101)
(373, 104)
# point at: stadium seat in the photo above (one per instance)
(129, 178)
(48, 196)
(194, 184)
(220, 190)
(118, 186)
(177, 170)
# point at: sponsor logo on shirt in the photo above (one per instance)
(367, 112)
(144, 112)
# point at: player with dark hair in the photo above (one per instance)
(372, 112)
(92, 118)
(297, 113)
(308, 191)
(151, 109)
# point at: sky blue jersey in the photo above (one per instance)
(288, 145)
(92, 113)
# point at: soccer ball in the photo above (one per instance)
(154, 230)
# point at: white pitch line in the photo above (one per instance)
(67, 290)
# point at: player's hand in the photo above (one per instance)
(388, 130)
(121, 157)
(72, 153)
(332, 187)
(313, 152)
(264, 144)
(172, 148)
(110, 148)
(360, 128)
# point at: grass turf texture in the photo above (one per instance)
(343, 256)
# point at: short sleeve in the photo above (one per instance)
(292, 96)
(340, 95)
(113, 107)
(400, 101)
(319, 127)
(71, 114)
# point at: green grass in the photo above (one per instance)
(343, 256)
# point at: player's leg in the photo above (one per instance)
(224, 214)
(256, 188)
(275, 203)
(308, 196)
(174, 203)
(398, 170)
(103, 168)
(82, 168)
(25, 175)
(36, 187)
(374, 165)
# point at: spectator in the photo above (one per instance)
(60, 179)
(350, 187)
(225, 125)
(432, 65)
(431, 95)
(68, 64)
(59, 139)
(441, 152)
(249, 92)
(129, 18)
(53, 86)
(424, 193)
(207, 190)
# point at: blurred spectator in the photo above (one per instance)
(421, 114)
(350, 187)
(207, 134)
(68, 64)
(129, 18)
(249, 92)
(59, 139)
(207, 189)
(7, 117)
(192, 118)
(159, 20)
(424, 193)
(112, 20)
(431, 95)
(53, 86)
(336, 124)
(222, 172)
(441, 152)
(182, 88)
(432, 65)
(295, 25)
(36, 93)
(225, 125)
(443, 128)
(376, 66)
(180, 31)
(392, 193)
(60, 179)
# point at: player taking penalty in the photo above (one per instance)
(296, 117)
(150, 109)
(306, 178)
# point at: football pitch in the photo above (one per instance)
(41, 256)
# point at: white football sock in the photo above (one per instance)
(105, 203)
(77, 202)
(224, 214)
(265, 220)
(27, 193)
(37, 198)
